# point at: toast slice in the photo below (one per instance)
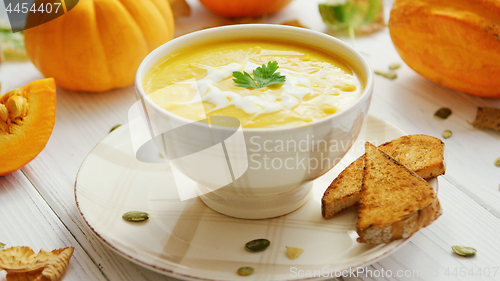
(395, 202)
(421, 153)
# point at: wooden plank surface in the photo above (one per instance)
(27, 220)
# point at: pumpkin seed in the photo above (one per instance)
(394, 66)
(389, 75)
(257, 245)
(7, 95)
(135, 216)
(114, 128)
(1, 246)
(4, 113)
(447, 134)
(245, 270)
(497, 162)
(464, 251)
(293, 252)
(442, 113)
(17, 106)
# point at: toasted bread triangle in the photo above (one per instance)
(423, 154)
(395, 202)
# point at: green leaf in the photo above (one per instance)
(337, 16)
(350, 15)
(244, 80)
(266, 76)
(12, 45)
(374, 8)
(263, 76)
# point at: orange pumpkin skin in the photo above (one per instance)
(28, 138)
(244, 8)
(453, 43)
(99, 44)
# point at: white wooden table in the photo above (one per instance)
(37, 203)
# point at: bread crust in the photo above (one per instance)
(402, 229)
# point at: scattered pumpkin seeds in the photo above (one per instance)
(464, 251)
(389, 75)
(245, 270)
(497, 162)
(447, 134)
(394, 66)
(293, 252)
(442, 113)
(114, 128)
(135, 216)
(257, 245)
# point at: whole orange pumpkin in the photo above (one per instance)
(98, 45)
(244, 8)
(453, 43)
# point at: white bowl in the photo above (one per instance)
(263, 180)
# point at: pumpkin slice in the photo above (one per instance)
(27, 117)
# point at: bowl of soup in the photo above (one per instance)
(252, 114)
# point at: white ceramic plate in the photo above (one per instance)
(189, 241)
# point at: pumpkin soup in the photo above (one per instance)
(200, 81)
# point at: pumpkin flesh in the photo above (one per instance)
(23, 138)
(453, 43)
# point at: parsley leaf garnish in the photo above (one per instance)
(263, 76)
(243, 79)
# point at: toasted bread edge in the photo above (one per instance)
(402, 229)
(405, 227)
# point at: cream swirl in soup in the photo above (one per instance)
(197, 82)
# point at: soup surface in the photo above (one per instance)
(197, 82)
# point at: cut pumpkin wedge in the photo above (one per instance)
(27, 117)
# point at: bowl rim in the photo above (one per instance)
(247, 29)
